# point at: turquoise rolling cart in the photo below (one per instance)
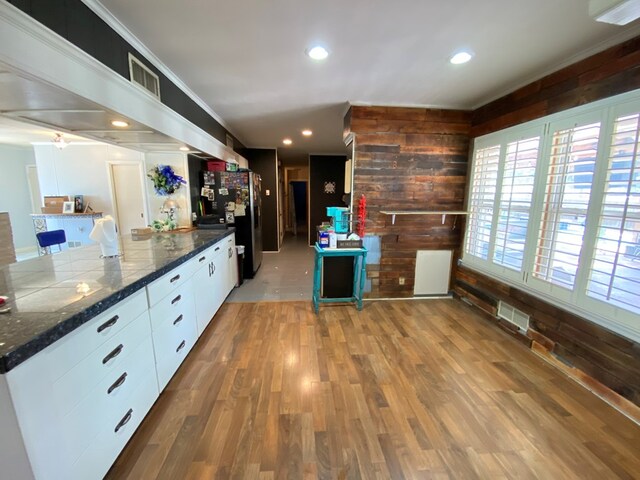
(359, 274)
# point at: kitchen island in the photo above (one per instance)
(90, 343)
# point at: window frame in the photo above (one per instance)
(576, 301)
(543, 286)
(503, 138)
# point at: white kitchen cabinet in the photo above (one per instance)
(174, 331)
(69, 410)
(62, 405)
(209, 283)
(160, 288)
(100, 454)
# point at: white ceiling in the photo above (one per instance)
(246, 60)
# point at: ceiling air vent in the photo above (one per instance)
(143, 77)
(513, 315)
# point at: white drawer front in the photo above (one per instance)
(96, 460)
(57, 359)
(209, 254)
(104, 405)
(171, 345)
(108, 359)
(178, 302)
(163, 286)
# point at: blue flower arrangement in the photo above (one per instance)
(165, 181)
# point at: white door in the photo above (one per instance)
(128, 197)
(34, 188)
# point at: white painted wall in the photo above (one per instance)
(14, 196)
(177, 161)
(81, 169)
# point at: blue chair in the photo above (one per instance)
(54, 237)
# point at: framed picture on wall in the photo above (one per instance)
(67, 207)
(78, 201)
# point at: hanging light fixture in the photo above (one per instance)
(60, 142)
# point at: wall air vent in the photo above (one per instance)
(513, 315)
(142, 76)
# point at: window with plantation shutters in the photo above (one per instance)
(566, 200)
(614, 276)
(482, 194)
(554, 210)
(514, 207)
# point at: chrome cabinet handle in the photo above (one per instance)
(176, 300)
(109, 323)
(177, 277)
(217, 248)
(124, 420)
(181, 346)
(202, 259)
(118, 383)
(114, 353)
(178, 320)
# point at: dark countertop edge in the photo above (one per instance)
(48, 337)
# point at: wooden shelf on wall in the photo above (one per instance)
(444, 213)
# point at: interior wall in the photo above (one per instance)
(177, 161)
(606, 356)
(409, 159)
(608, 73)
(15, 198)
(81, 170)
(603, 355)
(324, 169)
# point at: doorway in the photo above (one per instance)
(34, 188)
(298, 207)
(128, 198)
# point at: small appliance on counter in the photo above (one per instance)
(210, 222)
(104, 232)
(337, 233)
(340, 217)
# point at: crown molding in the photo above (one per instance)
(34, 52)
(129, 36)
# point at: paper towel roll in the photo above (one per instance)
(104, 232)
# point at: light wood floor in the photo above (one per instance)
(419, 389)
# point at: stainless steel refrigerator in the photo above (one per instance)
(234, 198)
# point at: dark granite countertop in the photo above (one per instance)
(44, 295)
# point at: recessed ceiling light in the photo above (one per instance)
(460, 57)
(184, 149)
(287, 141)
(119, 123)
(318, 52)
(307, 133)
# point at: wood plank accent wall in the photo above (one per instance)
(605, 74)
(601, 354)
(409, 159)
